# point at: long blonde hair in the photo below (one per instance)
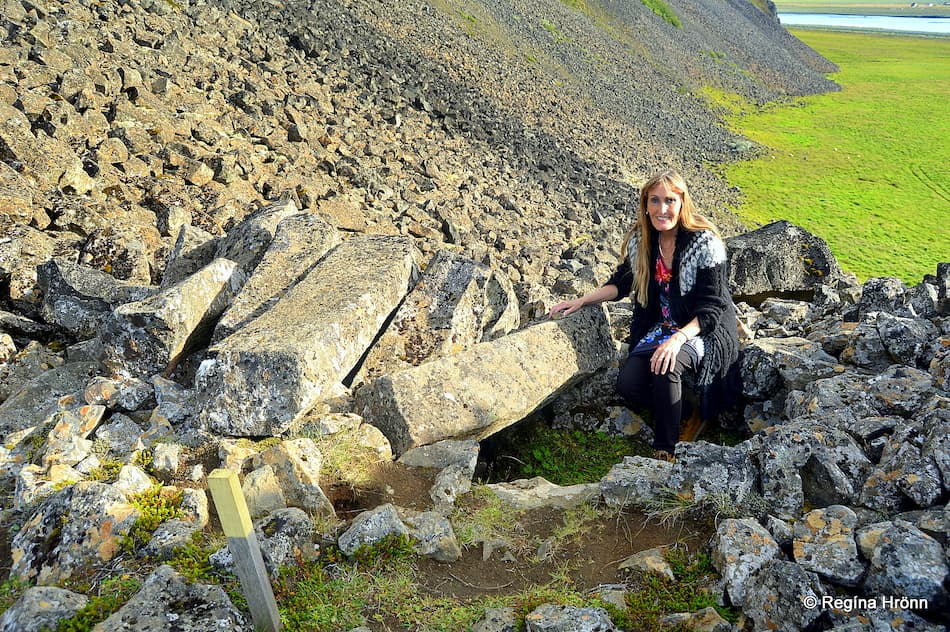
(689, 219)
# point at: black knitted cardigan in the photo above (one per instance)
(700, 288)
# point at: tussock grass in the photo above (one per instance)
(867, 168)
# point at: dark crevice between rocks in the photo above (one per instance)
(348, 380)
(756, 300)
(348, 500)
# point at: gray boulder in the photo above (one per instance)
(824, 543)
(42, 397)
(80, 299)
(153, 335)
(296, 465)
(906, 562)
(777, 260)
(262, 491)
(27, 248)
(27, 365)
(533, 493)
(940, 364)
(246, 243)
(842, 397)
(193, 249)
(707, 470)
(371, 527)
(120, 434)
(905, 472)
(119, 393)
(807, 459)
(51, 160)
(41, 607)
(774, 364)
(49, 549)
(900, 390)
(497, 620)
(167, 601)
(554, 618)
(636, 481)
(739, 549)
(907, 340)
(174, 402)
(783, 597)
(705, 620)
(432, 535)
(266, 375)
(456, 461)
(488, 387)
(884, 294)
(936, 445)
(879, 619)
(864, 347)
(286, 538)
(785, 315)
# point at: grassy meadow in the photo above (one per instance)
(867, 168)
(863, 7)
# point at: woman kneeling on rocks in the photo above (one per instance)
(674, 267)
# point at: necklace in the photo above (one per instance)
(668, 257)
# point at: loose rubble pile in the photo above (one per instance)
(218, 222)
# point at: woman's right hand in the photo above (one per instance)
(565, 308)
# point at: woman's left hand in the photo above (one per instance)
(663, 359)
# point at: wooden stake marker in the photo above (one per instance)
(246, 551)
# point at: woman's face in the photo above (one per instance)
(663, 205)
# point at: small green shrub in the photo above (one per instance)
(156, 506)
(143, 459)
(192, 561)
(107, 472)
(664, 11)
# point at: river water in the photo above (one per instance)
(930, 26)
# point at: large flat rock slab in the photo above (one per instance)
(300, 241)
(490, 386)
(264, 376)
(456, 304)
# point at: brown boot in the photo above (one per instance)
(692, 427)
(663, 455)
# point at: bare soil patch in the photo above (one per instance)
(588, 559)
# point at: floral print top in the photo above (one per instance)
(662, 330)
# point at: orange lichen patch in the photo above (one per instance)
(815, 521)
(108, 544)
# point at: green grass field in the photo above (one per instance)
(863, 7)
(867, 168)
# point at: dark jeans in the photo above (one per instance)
(662, 394)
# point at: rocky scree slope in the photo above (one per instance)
(167, 168)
